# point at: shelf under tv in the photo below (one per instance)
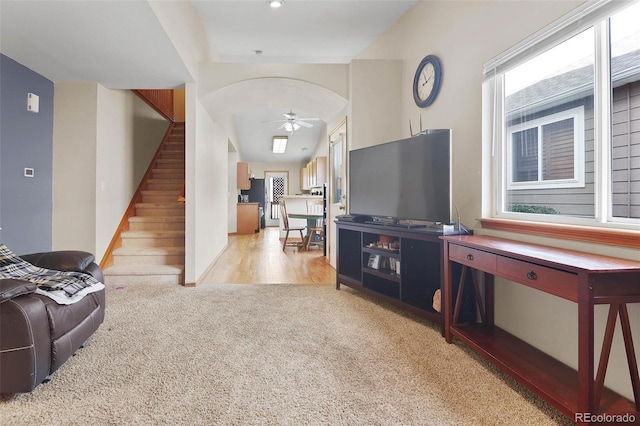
(414, 284)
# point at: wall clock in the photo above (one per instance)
(427, 81)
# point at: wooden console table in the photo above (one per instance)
(583, 278)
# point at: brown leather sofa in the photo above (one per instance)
(37, 335)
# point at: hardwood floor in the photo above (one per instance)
(259, 259)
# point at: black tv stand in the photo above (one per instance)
(396, 224)
(401, 265)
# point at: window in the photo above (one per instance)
(563, 110)
(547, 152)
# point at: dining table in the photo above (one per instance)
(311, 219)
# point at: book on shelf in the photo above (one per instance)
(374, 261)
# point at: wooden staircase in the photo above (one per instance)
(152, 240)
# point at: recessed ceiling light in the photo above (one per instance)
(275, 3)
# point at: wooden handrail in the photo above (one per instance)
(116, 241)
(160, 100)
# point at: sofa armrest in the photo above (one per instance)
(63, 260)
(10, 288)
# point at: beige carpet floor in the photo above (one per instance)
(270, 355)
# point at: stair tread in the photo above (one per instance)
(154, 219)
(144, 270)
(153, 234)
(160, 191)
(148, 251)
(168, 205)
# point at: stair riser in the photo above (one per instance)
(174, 144)
(159, 259)
(152, 242)
(156, 226)
(142, 279)
(175, 167)
(169, 176)
(167, 173)
(170, 155)
(164, 186)
(160, 211)
(160, 198)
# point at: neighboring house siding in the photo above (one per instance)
(626, 151)
(569, 90)
(567, 201)
(625, 162)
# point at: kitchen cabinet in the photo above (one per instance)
(314, 174)
(243, 175)
(248, 218)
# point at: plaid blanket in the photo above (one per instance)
(64, 283)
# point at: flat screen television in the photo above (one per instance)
(409, 179)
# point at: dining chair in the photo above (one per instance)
(287, 228)
(315, 207)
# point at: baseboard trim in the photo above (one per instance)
(206, 271)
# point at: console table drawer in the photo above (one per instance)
(477, 259)
(559, 283)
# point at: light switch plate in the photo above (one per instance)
(33, 102)
(28, 172)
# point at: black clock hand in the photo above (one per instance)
(429, 79)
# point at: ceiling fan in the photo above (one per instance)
(291, 122)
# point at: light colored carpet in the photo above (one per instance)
(270, 355)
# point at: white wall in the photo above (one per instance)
(376, 102)
(465, 34)
(104, 141)
(74, 163)
(220, 75)
(232, 189)
(207, 168)
(128, 135)
(258, 170)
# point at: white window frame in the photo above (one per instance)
(593, 13)
(578, 180)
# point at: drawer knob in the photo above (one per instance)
(469, 257)
(532, 275)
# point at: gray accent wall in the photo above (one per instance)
(26, 141)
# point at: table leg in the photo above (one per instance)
(476, 286)
(489, 298)
(456, 310)
(585, 350)
(604, 355)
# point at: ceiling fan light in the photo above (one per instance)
(288, 127)
(279, 144)
(275, 3)
(296, 126)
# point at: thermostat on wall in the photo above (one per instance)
(28, 172)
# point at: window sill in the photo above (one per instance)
(614, 237)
